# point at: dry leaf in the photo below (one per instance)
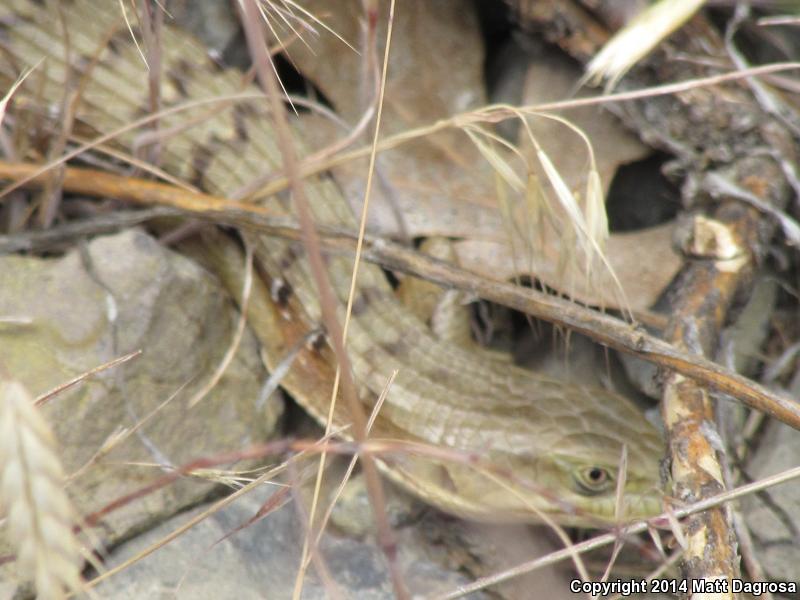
(439, 185)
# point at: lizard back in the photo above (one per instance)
(548, 433)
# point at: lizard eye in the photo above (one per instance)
(593, 480)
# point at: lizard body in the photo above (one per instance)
(561, 442)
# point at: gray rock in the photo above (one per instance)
(119, 294)
(775, 532)
(261, 560)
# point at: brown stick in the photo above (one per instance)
(603, 328)
(706, 293)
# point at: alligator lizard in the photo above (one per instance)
(560, 442)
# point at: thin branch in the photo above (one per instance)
(39, 240)
(604, 329)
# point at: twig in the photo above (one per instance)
(707, 291)
(39, 240)
(602, 328)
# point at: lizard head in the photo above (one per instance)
(583, 462)
(576, 489)
(569, 490)
(562, 463)
(587, 485)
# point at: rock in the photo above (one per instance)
(775, 528)
(115, 295)
(261, 560)
(352, 513)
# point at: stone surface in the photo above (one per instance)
(115, 295)
(352, 513)
(776, 532)
(261, 560)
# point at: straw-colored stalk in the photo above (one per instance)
(634, 41)
(37, 509)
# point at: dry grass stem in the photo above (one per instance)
(39, 512)
(31, 454)
(374, 491)
(214, 508)
(132, 126)
(496, 113)
(310, 547)
(779, 20)
(491, 114)
(130, 30)
(315, 556)
(265, 71)
(13, 88)
(41, 399)
(279, 371)
(588, 225)
(120, 434)
(265, 7)
(669, 563)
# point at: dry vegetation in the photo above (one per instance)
(518, 186)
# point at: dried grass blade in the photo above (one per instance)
(495, 160)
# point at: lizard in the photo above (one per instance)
(555, 446)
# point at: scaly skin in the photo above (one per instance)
(547, 439)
